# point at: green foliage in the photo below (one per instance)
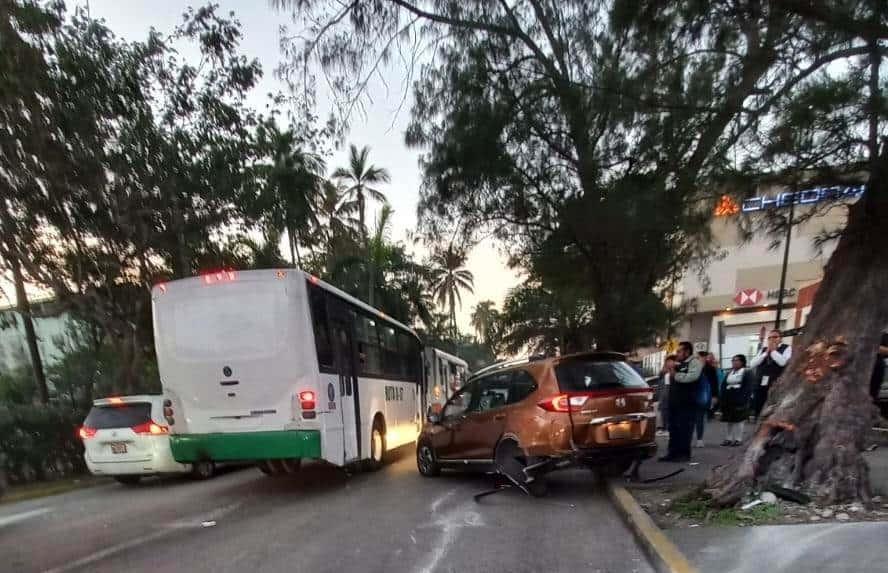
(40, 442)
(17, 387)
(699, 509)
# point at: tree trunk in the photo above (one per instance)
(818, 414)
(181, 265)
(291, 240)
(24, 310)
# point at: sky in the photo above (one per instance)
(381, 126)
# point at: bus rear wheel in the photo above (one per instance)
(377, 446)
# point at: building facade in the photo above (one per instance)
(53, 334)
(734, 303)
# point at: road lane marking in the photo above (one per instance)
(450, 523)
(16, 517)
(165, 530)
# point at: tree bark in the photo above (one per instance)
(24, 310)
(818, 413)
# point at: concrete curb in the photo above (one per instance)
(663, 554)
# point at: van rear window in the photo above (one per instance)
(584, 375)
(120, 416)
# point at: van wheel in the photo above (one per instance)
(427, 461)
(291, 465)
(270, 467)
(377, 446)
(203, 470)
(128, 480)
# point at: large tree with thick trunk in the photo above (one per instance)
(593, 135)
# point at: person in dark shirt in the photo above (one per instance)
(879, 368)
(769, 364)
(685, 376)
(706, 392)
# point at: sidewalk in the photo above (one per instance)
(816, 539)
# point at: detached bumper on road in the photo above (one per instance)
(246, 446)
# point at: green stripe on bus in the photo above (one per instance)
(246, 446)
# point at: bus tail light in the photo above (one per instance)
(151, 428)
(308, 404)
(307, 400)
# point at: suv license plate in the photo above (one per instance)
(118, 447)
(621, 431)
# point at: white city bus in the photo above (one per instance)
(276, 366)
(444, 374)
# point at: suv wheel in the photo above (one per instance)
(426, 461)
(511, 461)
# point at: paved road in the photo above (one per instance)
(319, 521)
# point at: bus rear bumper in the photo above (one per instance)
(246, 446)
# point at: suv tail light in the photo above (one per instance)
(151, 428)
(85, 432)
(560, 403)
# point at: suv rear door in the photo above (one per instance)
(610, 403)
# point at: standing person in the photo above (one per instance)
(769, 364)
(712, 360)
(734, 401)
(879, 368)
(663, 401)
(685, 377)
(705, 394)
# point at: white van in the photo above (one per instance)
(127, 438)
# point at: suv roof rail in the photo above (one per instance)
(499, 365)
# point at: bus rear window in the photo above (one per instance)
(583, 375)
(122, 416)
(237, 320)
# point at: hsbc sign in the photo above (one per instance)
(748, 297)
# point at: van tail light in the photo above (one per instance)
(85, 432)
(151, 428)
(307, 400)
(168, 412)
(562, 402)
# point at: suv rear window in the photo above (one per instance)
(585, 375)
(123, 416)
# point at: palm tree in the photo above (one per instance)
(292, 187)
(484, 319)
(359, 176)
(449, 278)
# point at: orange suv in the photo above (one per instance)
(531, 417)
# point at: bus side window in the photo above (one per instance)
(321, 327)
(368, 346)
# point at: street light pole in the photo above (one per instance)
(785, 261)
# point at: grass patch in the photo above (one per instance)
(697, 507)
(47, 488)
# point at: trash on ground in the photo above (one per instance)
(752, 504)
(208, 524)
(789, 494)
(768, 497)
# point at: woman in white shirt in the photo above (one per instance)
(734, 400)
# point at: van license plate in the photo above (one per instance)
(118, 447)
(621, 431)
